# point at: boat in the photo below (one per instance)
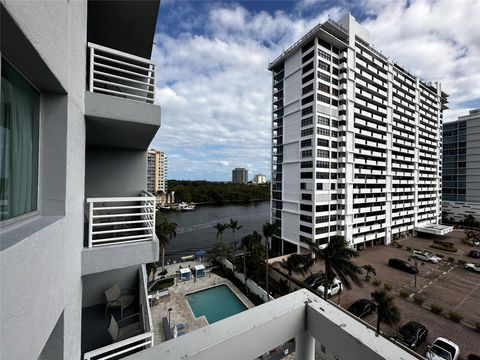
(186, 207)
(163, 207)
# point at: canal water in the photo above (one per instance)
(195, 228)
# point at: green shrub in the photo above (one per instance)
(443, 245)
(408, 248)
(405, 293)
(164, 272)
(455, 316)
(436, 308)
(440, 255)
(419, 299)
(387, 287)
(376, 282)
(451, 259)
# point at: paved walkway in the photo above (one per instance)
(181, 311)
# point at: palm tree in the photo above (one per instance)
(220, 229)
(387, 311)
(233, 225)
(165, 231)
(370, 270)
(295, 263)
(337, 256)
(268, 232)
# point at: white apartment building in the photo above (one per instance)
(239, 176)
(356, 142)
(157, 166)
(461, 167)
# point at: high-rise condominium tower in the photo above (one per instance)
(356, 143)
(240, 176)
(461, 168)
(156, 171)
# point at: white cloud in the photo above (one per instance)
(215, 90)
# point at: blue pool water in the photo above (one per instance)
(216, 303)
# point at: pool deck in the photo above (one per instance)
(181, 311)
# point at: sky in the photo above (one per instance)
(215, 90)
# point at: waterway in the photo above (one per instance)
(195, 229)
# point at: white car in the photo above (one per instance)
(426, 256)
(443, 349)
(473, 267)
(334, 288)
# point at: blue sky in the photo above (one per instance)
(215, 90)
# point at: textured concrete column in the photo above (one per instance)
(304, 347)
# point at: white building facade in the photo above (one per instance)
(259, 179)
(356, 142)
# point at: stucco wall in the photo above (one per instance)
(115, 172)
(40, 263)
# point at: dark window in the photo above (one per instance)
(305, 143)
(306, 175)
(308, 78)
(323, 65)
(306, 196)
(307, 99)
(308, 56)
(307, 110)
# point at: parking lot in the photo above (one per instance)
(446, 283)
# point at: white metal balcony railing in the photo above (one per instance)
(133, 344)
(121, 74)
(120, 220)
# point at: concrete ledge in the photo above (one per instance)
(300, 315)
(104, 258)
(120, 122)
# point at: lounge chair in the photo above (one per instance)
(121, 333)
(116, 297)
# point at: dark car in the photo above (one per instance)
(362, 308)
(472, 357)
(403, 265)
(412, 334)
(314, 280)
(474, 254)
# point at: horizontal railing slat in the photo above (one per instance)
(119, 53)
(145, 337)
(122, 78)
(122, 93)
(121, 85)
(143, 68)
(122, 222)
(114, 231)
(124, 71)
(114, 239)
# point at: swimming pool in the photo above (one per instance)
(216, 303)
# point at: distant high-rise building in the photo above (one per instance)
(156, 171)
(356, 143)
(240, 175)
(259, 179)
(461, 167)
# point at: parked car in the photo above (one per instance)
(402, 265)
(314, 280)
(333, 288)
(474, 254)
(426, 256)
(472, 267)
(472, 357)
(412, 334)
(361, 308)
(443, 349)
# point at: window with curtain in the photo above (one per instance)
(19, 117)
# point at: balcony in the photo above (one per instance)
(119, 101)
(300, 315)
(97, 340)
(120, 232)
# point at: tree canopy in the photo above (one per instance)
(201, 191)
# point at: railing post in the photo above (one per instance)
(154, 69)
(92, 52)
(153, 218)
(90, 223)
